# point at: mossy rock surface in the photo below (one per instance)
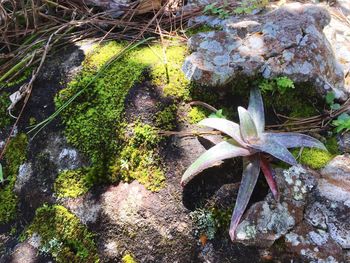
(63, 235)
(14, 157)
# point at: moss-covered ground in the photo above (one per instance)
(95, 122)
(72, 183)
(62, 235)
(14, 157)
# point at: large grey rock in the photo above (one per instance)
(287, 41)
(312, 215)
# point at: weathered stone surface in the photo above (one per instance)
(268, 220)
(312, 215)
(152, 226)
(313, 245)
(24, 252)
(343, 141)
(24, 174)
(85, 207)
(335, 182)
(287, 41)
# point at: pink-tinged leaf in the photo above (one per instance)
(270, 146)
(294, 140)
(251, 171)
(228, 127)
(247, 126)
(256, 109)
(269, 176)
(219, 152)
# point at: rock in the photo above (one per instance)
(335, 182)
(313, 245)
(24, 252)
(312, 215)
(268, 220)
(36, 177)
(151, 226)
(287, 41)
(24, 175)
(337, 33)
(86, 208)
(343, 141)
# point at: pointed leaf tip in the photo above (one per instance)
(256, 109)
(247, 125)
(295, 140)
(250, 176)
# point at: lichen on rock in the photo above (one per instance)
(287, 41)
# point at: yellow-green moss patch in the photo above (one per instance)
(168, 73)
(201, 29)
(72, 183)
(314, 158)
(15, 155)
(196, 114)
(62, 235)
(139, 160)
(128, 258)
(95, 121)
(165, 119)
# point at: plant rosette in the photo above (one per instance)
(249, 140)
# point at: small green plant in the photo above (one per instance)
(216, 10)
(342, 123)
(140, 160)
(196, 114)
(250, 141)
(279, 84)
(248, 6)
(330, 97)
(205, 223)
(218, 114)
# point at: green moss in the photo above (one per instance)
(5, 102)
(196, 114)
(332, 145)
(169, 75)
(201, 29)
(138, 160)
(165, 119)
(128, 259)
(314, 158)
(297, 102)
(63, 235)
(15, 155)
(222, 218)
(202, 93)
(72, 183)
(94, 121)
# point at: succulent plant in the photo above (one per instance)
(250, 141)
